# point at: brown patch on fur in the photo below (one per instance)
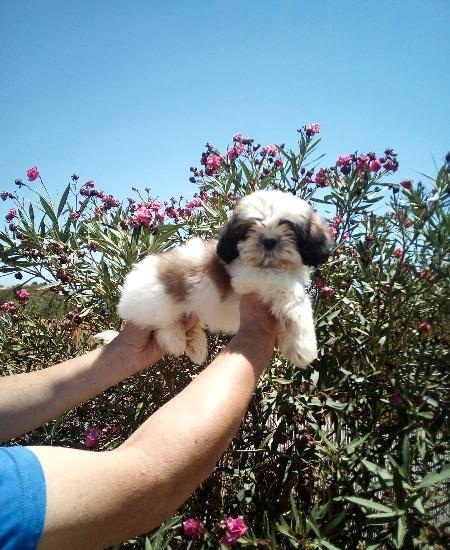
(215, 269)
(177, 274)
(173, 274)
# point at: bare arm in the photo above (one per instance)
(110, 496)
(29, 400)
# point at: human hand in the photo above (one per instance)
(139, 347)
(256, 317)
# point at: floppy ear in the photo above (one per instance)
(314, 241)
(232, 232)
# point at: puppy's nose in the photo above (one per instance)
(269, 244)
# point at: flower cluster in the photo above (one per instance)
(32, 173)
(193, 528)
(367, 162)
(23, 295)
(235, 528)
(92, 437)
(12, 213)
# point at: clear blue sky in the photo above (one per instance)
(128, 92)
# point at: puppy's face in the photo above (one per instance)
(272, 229)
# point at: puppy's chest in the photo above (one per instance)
(217, 312)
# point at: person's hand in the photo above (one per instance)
(256, 317)
(138, 345)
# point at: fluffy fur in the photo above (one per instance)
(267, 246)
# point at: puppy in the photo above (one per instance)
(268, 246)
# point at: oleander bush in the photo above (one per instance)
(351, 453)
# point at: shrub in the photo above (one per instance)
(353, 452)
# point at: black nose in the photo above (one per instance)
(269, 243)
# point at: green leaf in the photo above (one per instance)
(381, 472)
(31, 213)
(435, 477)
(49, 211)
(313, 525)
(401, 531)
(329, 545)
(369, 504)
(62, 202)
(350, 447)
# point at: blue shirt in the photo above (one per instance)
(22, 499)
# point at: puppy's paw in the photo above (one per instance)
(196, 345)
(172, 339)
(106, 336)
(300, 352)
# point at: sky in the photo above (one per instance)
(128, 93)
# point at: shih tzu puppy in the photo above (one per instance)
(268, 246)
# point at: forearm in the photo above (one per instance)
(182, 442)
(29, 400)
(146, 479)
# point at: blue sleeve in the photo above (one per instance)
(22, 499)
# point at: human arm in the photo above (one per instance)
(28, 400)
(111, 496)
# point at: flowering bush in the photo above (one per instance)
(353, 452)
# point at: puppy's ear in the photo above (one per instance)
(232, 232)
(314, 241)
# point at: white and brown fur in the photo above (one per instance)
(267, 246)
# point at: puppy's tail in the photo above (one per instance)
(106, 336)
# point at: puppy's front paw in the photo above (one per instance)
(196, 345)
(172, 339)
(106, 336)
(300, 352)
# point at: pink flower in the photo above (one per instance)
(237, 137)
(22, 294)
(320, 283)
(362, 163)
(12, 213)
(9, 307)
(321, 178)
(333, 231)
(142, 215)
(92, 437)
(396, 399)
(193, 204)
(337, 220)
(407, 223)
(312, 129)
(89, 183)
(389, 165)
(213, 161)
(398, 252)
(32, 173)
(74, 215)
(110, 202)
(407, 184)
(154, 205)
(424, 327)
(375, 165)
(193, 528)
(326, 292)
(235, 151)
(278, 163)
(235, 529)
(272, 150)
(344, 160)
